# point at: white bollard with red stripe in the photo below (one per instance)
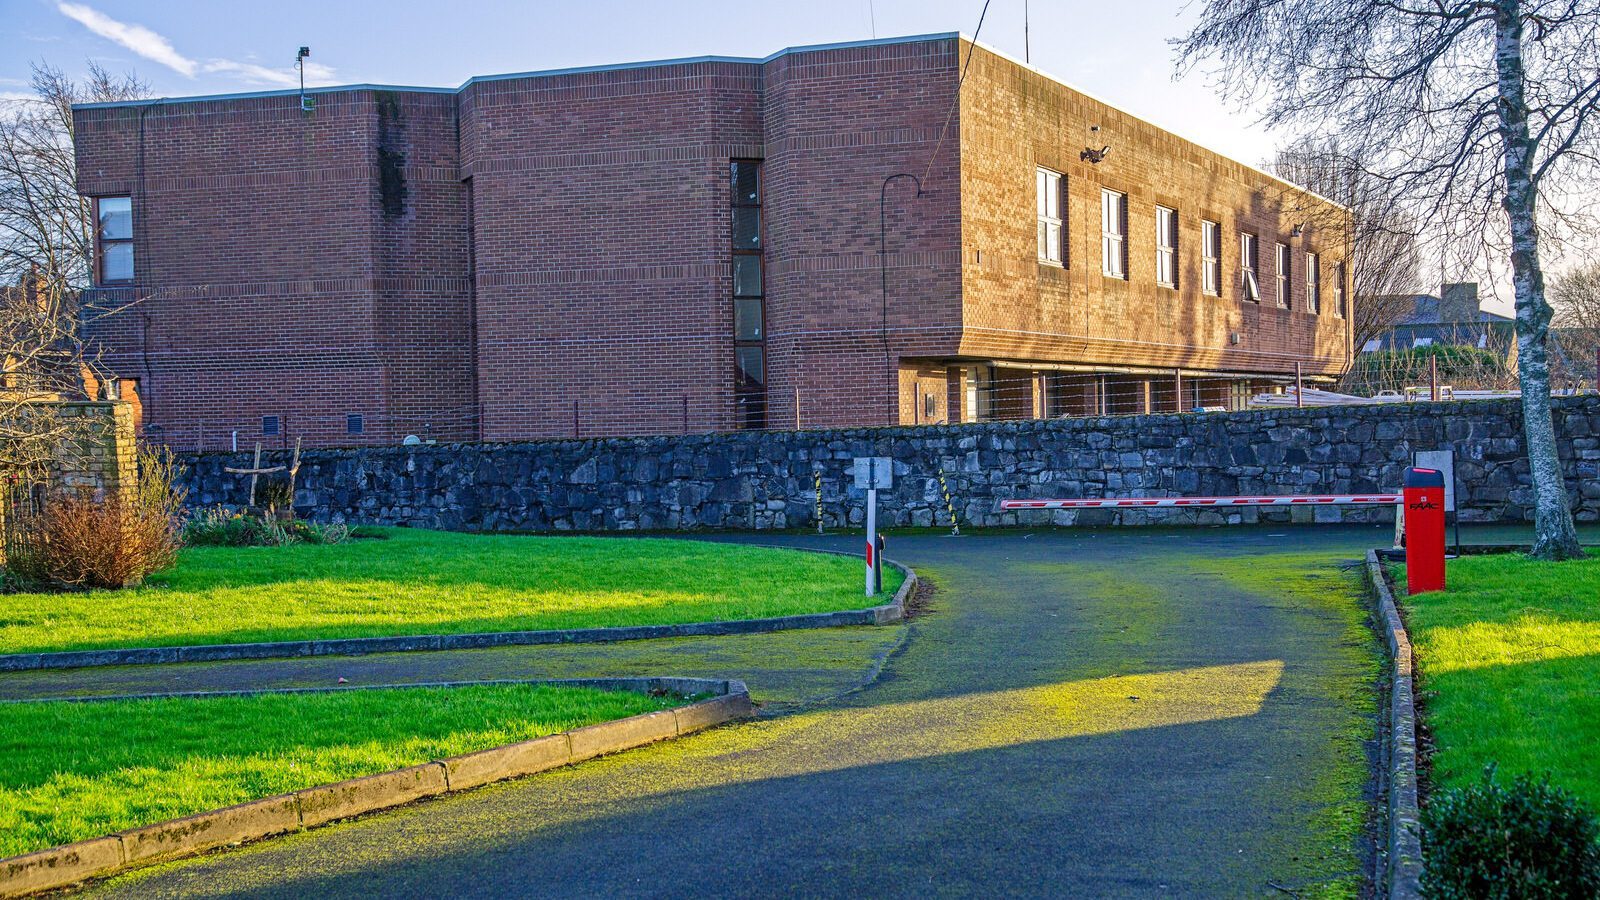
(872, 541)
(872, 473)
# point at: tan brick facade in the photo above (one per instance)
(550, 254)
(1018, 309)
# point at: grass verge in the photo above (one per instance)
(431, 582)
(71, 771)
(1509, 657)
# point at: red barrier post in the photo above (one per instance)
(1423, 490)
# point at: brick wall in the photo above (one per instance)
(1014, 120)
(549, 255)
(270, 277)
(601, 244)
(765, 480)
(837, 124)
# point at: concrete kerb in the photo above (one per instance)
(97, 857)
(1402, 855)
(885, 614)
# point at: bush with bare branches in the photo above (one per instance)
(73, 539)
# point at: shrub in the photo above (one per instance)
(1525, 839)
(74, 539)
(221, 528)
(312, 533)
(276, 495)
(1463, 367)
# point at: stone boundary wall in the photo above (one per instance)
(764, 480)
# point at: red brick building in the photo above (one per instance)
(691, 245)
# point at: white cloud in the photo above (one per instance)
(155, 47)
(258, 74)
(137, 38)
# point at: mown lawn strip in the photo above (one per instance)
(426, 582)
(71, 771)
(1509, 656)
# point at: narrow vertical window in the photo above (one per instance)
(1283, 262)
(114, 238)
(1166, 247)
(1249, 265)
(1047, 188)
(1338, 290)
(749, 293)
(1113, 234)
(1313, 284)
(1211, 258)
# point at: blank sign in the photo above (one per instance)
(873, 471)
(1444, 461)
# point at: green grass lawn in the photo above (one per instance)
(70, 771)
(1510, 658)
(433, 582)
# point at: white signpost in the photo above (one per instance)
(871, 473)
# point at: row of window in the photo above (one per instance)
(1051, 197)
(355, 423)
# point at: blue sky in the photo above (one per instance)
(1116, 51)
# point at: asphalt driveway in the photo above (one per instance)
(1117, 713)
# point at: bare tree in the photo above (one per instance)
(1378, 229)
(46, 244)
(1465, 107)
(1575, 295)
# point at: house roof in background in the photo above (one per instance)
(1425, 311)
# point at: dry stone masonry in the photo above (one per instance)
(764, 481)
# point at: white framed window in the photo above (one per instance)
(114, 239)
(1047, 186)
(1338, 290)
(1166, 247)
(1313, 284)
(1114, 234)
(1211, 258)
(1249, 264)
(1284, 259)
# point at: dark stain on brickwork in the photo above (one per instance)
(391, 154)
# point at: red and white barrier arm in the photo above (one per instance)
(1159, 502)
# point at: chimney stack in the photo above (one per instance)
(1458, 303)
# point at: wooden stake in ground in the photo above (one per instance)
(255, 471)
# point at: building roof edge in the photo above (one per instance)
(696, 60)
(539, 73)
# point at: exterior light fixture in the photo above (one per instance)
(307, 103)
(1094, 156)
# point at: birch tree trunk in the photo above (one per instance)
(1554, 534)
